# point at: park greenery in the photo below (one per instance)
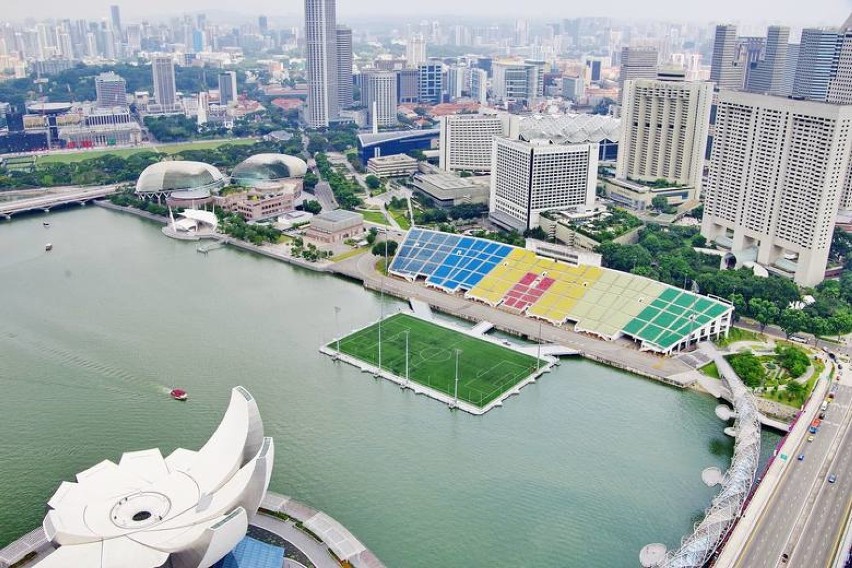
(384, 248)
(779, 376)
(127, 198)
(234, 225)
(334, 139)
(611, 225)
(312, 206)
(344, 188)
(114, 168)
(666, 254)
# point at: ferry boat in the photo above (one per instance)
(48, 246)
(179, 394)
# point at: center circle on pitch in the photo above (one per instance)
(435, 354)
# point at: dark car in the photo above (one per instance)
(801, 457)
(832, 478)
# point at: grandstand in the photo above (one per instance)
(602, 302)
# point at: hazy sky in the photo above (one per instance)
(795, 13)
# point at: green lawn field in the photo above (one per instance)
(69, 157)
(486, 370)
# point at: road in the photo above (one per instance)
(774, 331)
(797, 508)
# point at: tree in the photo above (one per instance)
(764, 311)
(660, 203)
(385, 248)
(793, 321)
(371, 235)
(310, 180)
(373, 182)
(312, 206)
(749, 368)
(699, 241)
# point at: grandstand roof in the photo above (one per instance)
(570, 128)
(369, 139)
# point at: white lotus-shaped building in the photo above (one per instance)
(185, 511)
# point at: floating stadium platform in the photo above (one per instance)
(605, 303)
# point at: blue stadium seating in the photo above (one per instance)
(450, 262)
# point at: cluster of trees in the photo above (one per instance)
(666, 254)
(126, 198)
(336, 138)
(310, 253)
(234, 225)
(464, 211)
(312, 206)
(373, 182)
(749, 368)
(661, 203)
(793, 360)
(384, 248)
(104, 169)
(510, 238)
(344, 189)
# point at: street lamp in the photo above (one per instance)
(538, 355)
(406, 357)
(382, 298)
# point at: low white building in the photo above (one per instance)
(395, 165)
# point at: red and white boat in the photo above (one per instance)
(179, 394)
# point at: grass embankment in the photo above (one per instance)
(738, 334)
(485, 370)
(376, 217)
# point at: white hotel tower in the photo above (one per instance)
(779, 169)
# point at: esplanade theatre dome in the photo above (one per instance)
(175, 177)
(268, 167)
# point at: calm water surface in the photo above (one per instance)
(583, 469)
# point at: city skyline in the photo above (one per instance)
(818, 13)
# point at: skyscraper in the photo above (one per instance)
(664, 132)
(726, 70)
(817, 54)
(115, 17)
(516, 82)
(227, 87)
(163, 69)
(479, 85)
(263, 24)
(344, 67)
(638, 63)
(379, 96)
(840, 86)
(767, 75)
(778, 171)
(415, 50)
(430, 82)
(466, 141)
(111, 90)
(321, 62)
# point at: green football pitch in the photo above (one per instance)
(485, 370)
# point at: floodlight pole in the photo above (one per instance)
(538, 356)
(382, 300)
(406, 356)
(456, 397)
(337, 331)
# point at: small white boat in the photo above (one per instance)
(45, 224)
(48, 247)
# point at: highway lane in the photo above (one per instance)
(780, 522)
(823, 528)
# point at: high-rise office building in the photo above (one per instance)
(321, 62)
(528, 178)
(379, 96)
(638, 63)
(778, 170)
(768, 74)
(165, 93)
(263, 24)
(726, 68)
(430, 82)
(573, 88)
(664, 132)
(227, 88)
(408, 86)
(840, 85)
(415, 50)
(344, 67)
(466, 141)
(817, 55)
(115, 17)
(111, 90)
(516, 82)
(479, 85)
(456, 81)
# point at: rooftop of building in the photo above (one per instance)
(378, 138)
(338, 215)
(570, 128)
(393, 158)
(451, 182)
